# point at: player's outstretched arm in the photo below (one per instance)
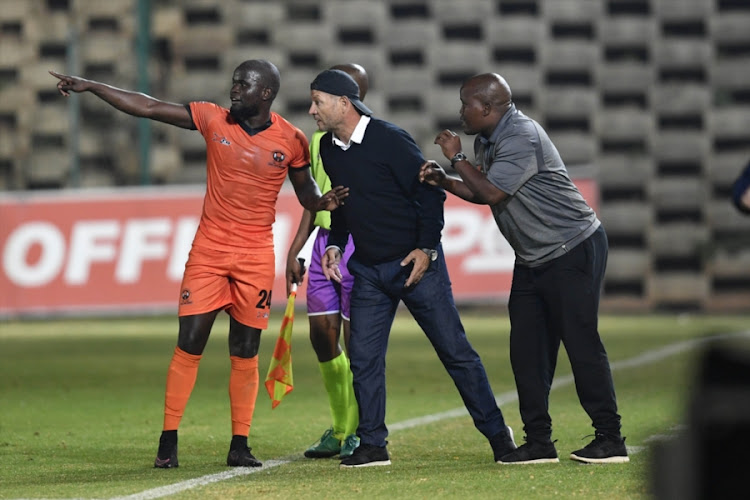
(132, 103)
(308, 193)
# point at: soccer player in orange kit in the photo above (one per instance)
(250, 151)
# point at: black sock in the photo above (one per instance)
(169, 436)
(238, 442)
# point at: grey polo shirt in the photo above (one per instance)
(545, 215)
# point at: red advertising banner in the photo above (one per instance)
(124, 250)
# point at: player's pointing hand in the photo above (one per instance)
(69, 84)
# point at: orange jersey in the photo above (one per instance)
(244, 176)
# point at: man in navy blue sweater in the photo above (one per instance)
(395, 222)
(741, 191)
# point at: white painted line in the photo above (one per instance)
(504, 398)
(172, 489)
(511, 396)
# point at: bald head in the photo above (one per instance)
(491, 89)
(485, 99)
(358, 73)
(266, 73)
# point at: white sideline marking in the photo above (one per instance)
(171, 489)
(510, 396)
(506, 397)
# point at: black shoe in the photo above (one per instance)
(366, 455)
(603, 449)
(502, 443)
(241, 457)
(166, 457)
(532, 452)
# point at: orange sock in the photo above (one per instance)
(183, 371)
(243, 391)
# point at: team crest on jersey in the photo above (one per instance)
(278, 159)
(222, 140)
(185, 297)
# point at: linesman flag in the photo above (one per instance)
(279, 381)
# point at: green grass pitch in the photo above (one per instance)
(81, 408)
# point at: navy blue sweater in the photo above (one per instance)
(388, 211)
(741, 184)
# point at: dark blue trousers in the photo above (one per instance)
(553, 303)
(376, 294)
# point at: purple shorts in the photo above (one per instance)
(323, 296)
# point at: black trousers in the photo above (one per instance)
(559, 301)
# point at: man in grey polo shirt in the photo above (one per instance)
(561, 254)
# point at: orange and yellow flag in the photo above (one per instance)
(279, 381)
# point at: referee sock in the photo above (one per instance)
(181, 376)
(337, 379)
(243, 391)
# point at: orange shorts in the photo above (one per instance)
(240, 283)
